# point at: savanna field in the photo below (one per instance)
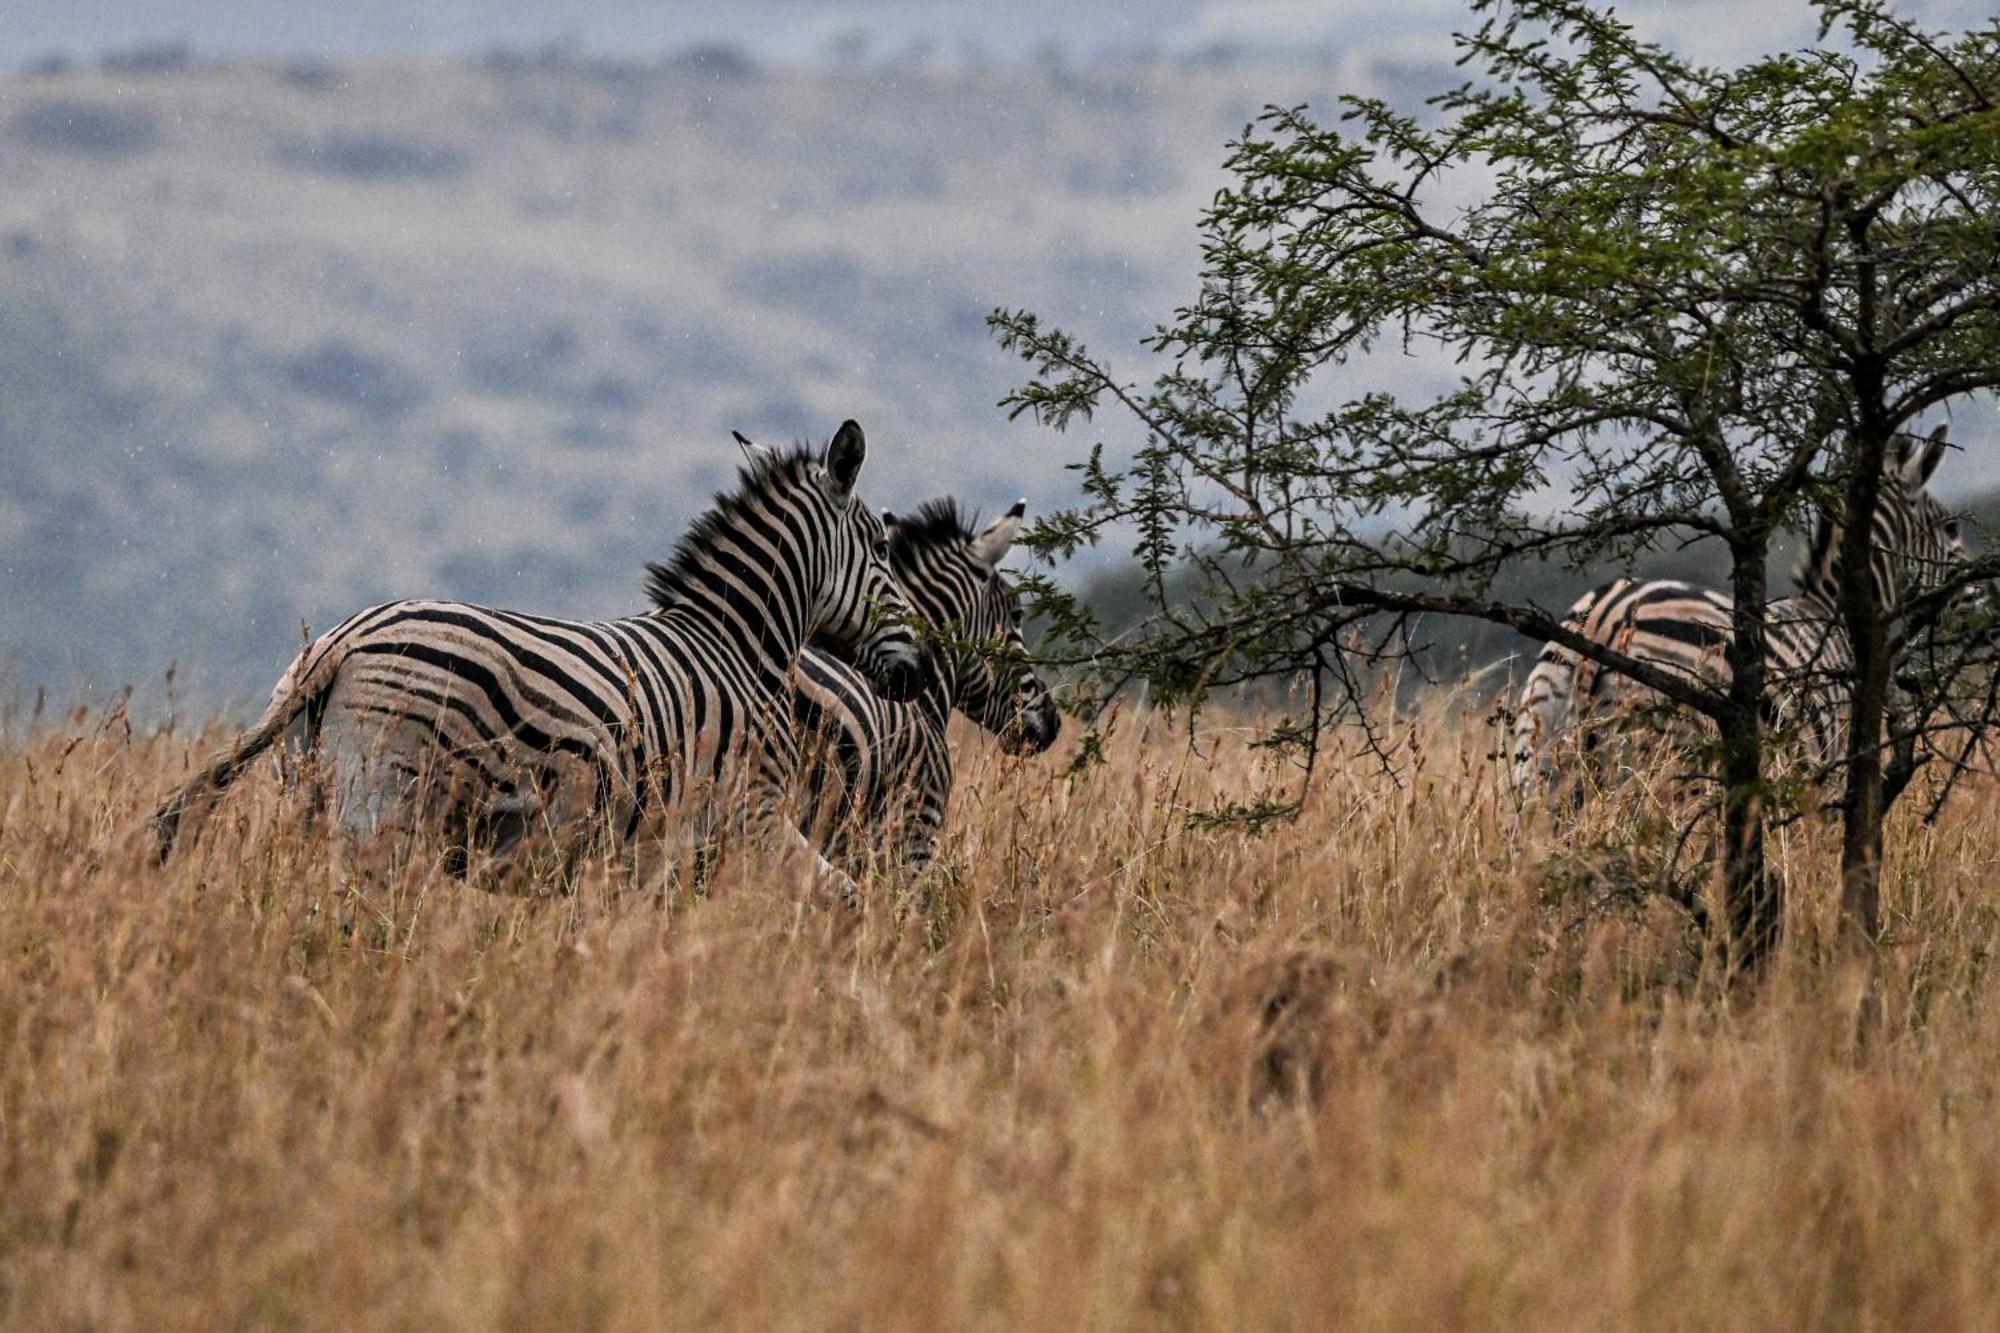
(1412, 1060)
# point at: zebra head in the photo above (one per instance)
(1916, 542)
(952, 578)
(796, 531)
(855, 606)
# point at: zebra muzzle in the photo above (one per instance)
(902, 680)
(1034, 731)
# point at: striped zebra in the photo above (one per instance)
(498, 723)
(1685, 628)
(882, 768)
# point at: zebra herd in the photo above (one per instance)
(796, 640)
(781, 603)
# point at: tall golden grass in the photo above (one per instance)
(1411, 1060)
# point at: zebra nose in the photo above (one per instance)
(1048, 724)
(902, 680)
(1034, 730)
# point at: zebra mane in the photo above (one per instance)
(936, 523)
(765, 472)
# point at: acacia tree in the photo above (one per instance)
(1689, 303)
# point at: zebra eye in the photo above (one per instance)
(881, 550)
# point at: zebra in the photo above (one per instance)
(500, 722)
(883, 766)
(1685, 628)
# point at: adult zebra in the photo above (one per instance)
(497, 722)
(1685, 628)
(883, 767)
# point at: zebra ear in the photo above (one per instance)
(843, 457)
(1923, 457)
(753, 452)
(990, 546)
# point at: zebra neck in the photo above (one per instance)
(1814, 601)
(1818, 597)
(1819, 578)
(1807, 625)
(747, 606)
(951, 664)
(940, 695)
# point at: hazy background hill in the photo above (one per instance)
(277, 340)
(291, 321)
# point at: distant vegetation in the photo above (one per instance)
(338, 371)
(312, 75)
(149, 58)
(103, 130)
(376, 157)
(367, 329)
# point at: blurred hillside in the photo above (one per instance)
(277, 340)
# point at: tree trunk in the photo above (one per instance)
(1863, 807)
(1753, 904)
(1861, 840)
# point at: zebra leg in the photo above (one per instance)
(1543, 716)
(301, 772)
(828, 879)
(920, 839)
(772, 818)
(377, 780)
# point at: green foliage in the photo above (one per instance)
(1685, 304)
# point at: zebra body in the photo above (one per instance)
(881, 770)
(498, 721)
(1685, 629)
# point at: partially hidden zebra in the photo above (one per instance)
(879, 772)
(497, 722)
(1685, 628)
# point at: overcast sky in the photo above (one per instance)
(808, 30)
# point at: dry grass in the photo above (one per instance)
(1402, 1063)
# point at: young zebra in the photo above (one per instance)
(883, 768)
(1686, 628)
(497, 722)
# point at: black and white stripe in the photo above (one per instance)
(878, 772)
(497, 721)
(1686, 629)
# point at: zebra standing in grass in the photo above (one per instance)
(1685, 628)
(883, 767)
(499, 723)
